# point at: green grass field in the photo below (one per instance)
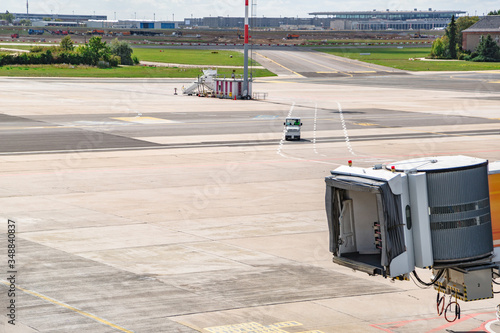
(363, 41)
(400, 58)
(120, 72)
(203, 58)
(390, 57)
(191, 56)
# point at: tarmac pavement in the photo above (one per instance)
(116, 232)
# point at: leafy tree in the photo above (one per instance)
(95, 50)
(123, 50)
(447, 46)
(494, 12)
(463, 23)
(451, 32)
(487, 50)
(67, 44)
(440, 48)
(25, 22)
(7, 17)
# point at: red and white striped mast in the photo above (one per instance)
(245, 52)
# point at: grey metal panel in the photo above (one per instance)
(460, 214)
(462, 244)
(420, 219)
(456, 187)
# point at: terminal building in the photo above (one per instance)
(357, 20)
(92, 21)
(58, 17)
(390, 20)
(132, 24)
(223, 22)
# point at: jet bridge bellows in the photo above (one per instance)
(459, 207)
(428, 212)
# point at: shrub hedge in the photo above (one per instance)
(96, 53)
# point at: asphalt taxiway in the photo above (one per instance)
(138, 210)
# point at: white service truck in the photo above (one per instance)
(292, 128)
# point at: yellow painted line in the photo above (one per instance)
(365, 124)
(274, 62)
(494, 82)
(190, 326)
(69, 307)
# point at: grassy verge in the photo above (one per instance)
(401, 58)
(120, 72)
(17, 47)
(203, 58)
(362, 42)
(191, 56)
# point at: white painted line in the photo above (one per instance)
(344, 127)
(487, 327)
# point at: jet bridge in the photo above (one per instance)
(440, 213)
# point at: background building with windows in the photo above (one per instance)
(390, 20)
(132, 24)
(58, 17)
(357, 20)
(488, 25)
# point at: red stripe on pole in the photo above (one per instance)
(246, 34)
(246, 2)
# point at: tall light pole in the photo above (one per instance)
(245, 52)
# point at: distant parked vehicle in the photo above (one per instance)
(292, 128)
(35, 32)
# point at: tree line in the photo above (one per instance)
(7, 17)
(94, 53)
